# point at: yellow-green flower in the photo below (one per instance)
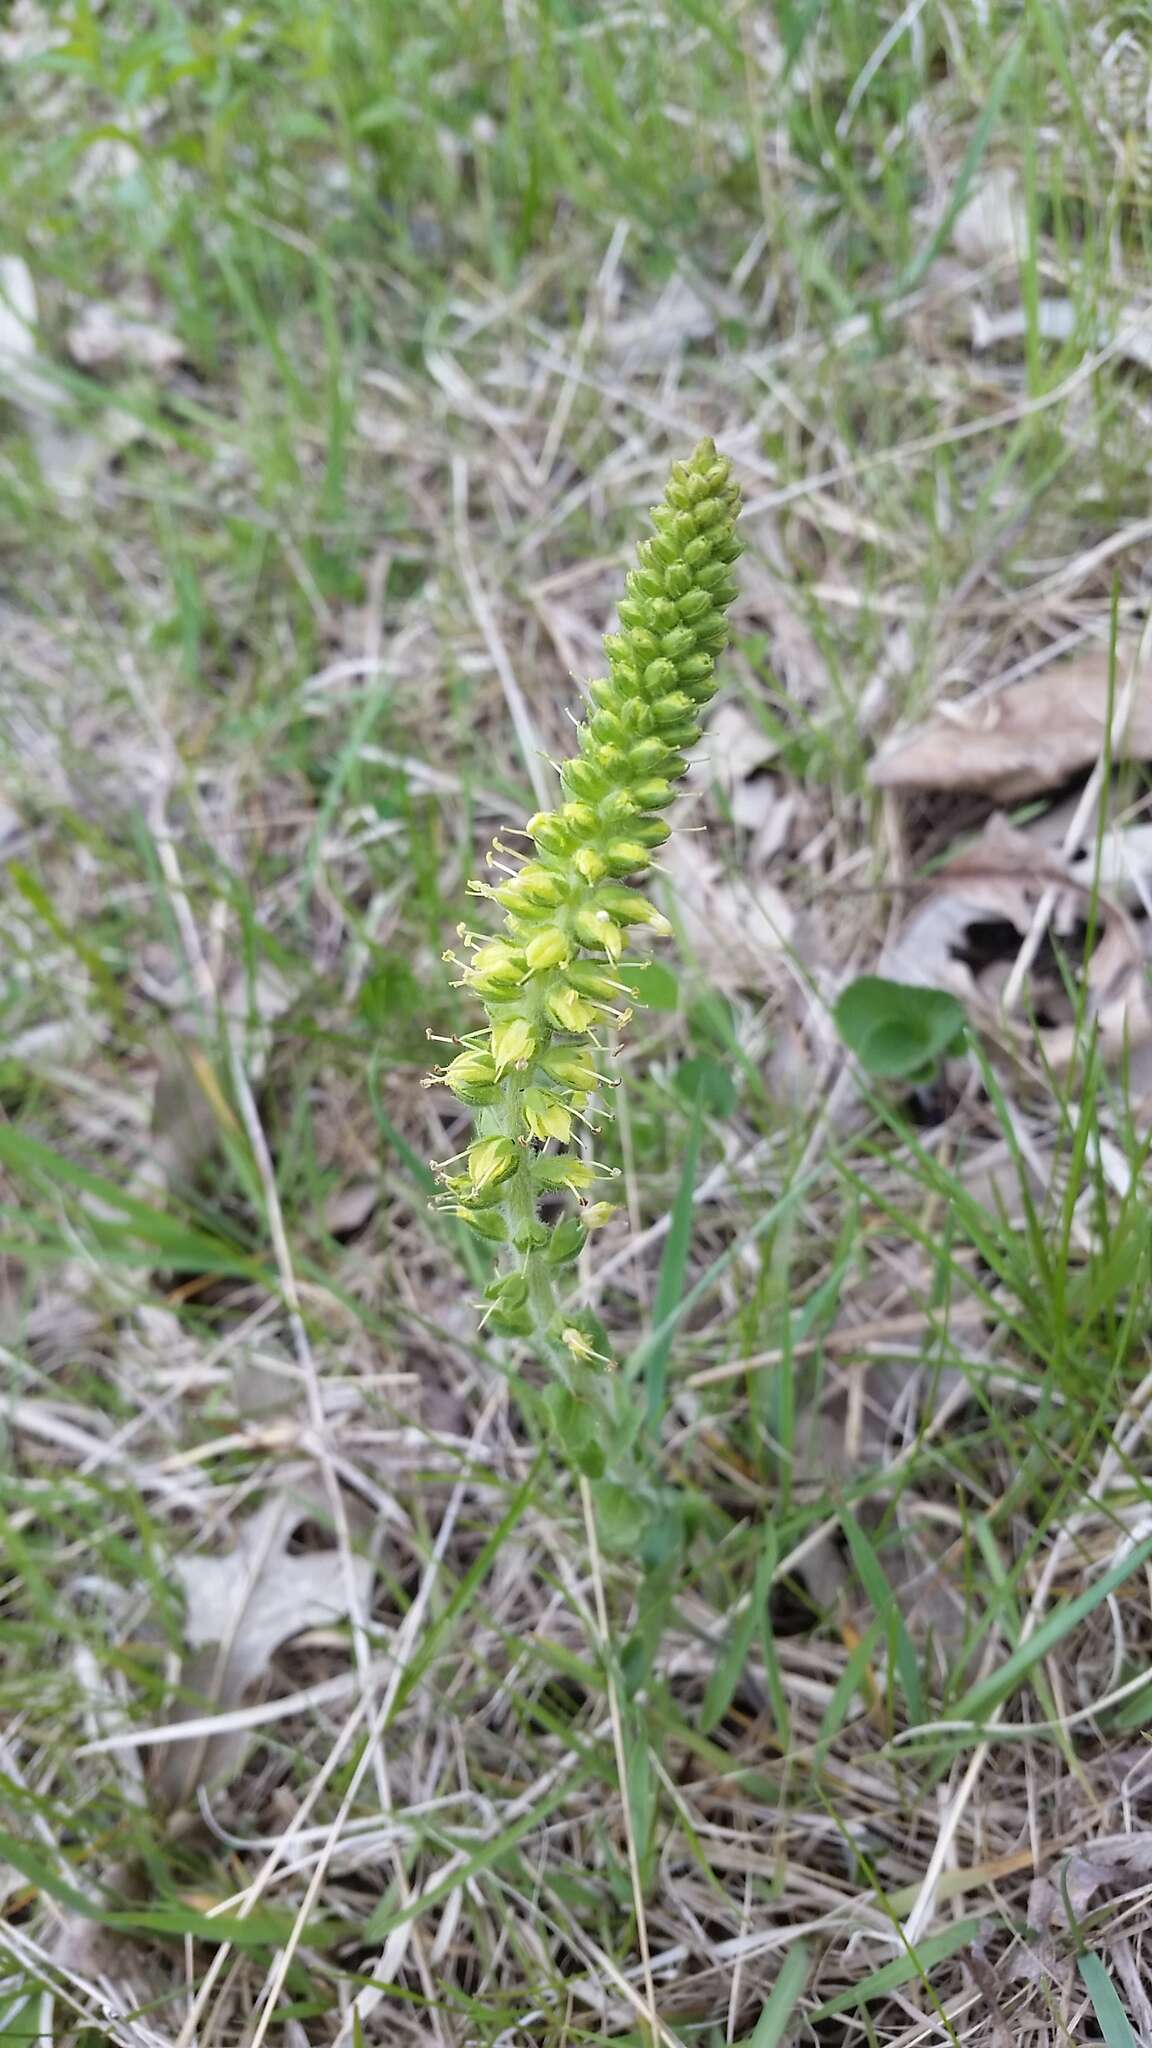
(551, 978)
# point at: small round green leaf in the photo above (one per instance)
(897, 1031)
(651, 983)
(705, 1081)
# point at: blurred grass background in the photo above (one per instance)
(362, 336)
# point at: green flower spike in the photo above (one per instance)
(552, 980)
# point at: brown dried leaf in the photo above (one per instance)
(105, 336)
(965, 933)
(1056, 1902)
(998, 880)
(349, 1208)
(738, 931)
(735, 921)
(189, 1112)
(1030, 737)
(993, 223)
(240, 1609)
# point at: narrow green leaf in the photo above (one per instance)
(783, 2000)
(346, 761)
(181, 1245)
(640, 1788)
(973, 157)
(982, 1697)
(440, 1630)
(38, 899)
(769, 1219)
(902, 1969)
(1110, 2014)
(847, 1686)
(727, 1673)
(886, 1607)
(387, 1917)
(673, 1266)
(265, 1929)
(777, 1691)
(19, 2024)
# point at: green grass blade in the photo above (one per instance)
(785, 1996)
(886, 1607)
(847, 1686)
(981, 1698)
(265, 1929)
(726, 1675)
(182, 1247)
(673, 1266)
(771, 1219)
(973, 158)
(902, 1969)
(1110, 2014)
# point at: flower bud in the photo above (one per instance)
(492, 1161)
(597, 1214)
(660, 675)
(625, 856)
(472, 1076)
(595, 928)
(546, 1117)
(512, 1043)
(583, 778)
(648, 757)
(548, 949)
(652, 792)
(609, 730)
(512, 1322)
(567, 1242)
(590, 864)
(549, 831)
(644, 645)
(650, 831)
(675, 706)
(572, 1066)
(534, 887)
(627, 906)
(685, 735)
(511, 1290)
(554, 1170)
(590, 980)
(569, 1011)
(533, 1237)
(711, 630)
(498, 957)
(487, 1223)
(681, 640)
(617, 808)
